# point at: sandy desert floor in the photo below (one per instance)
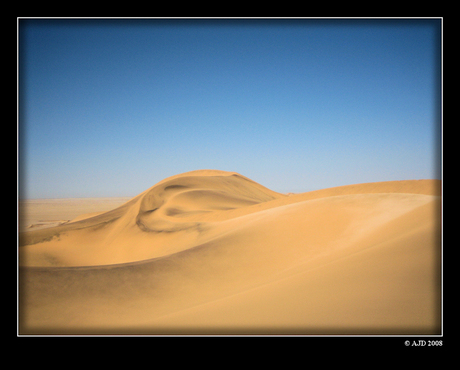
(213, 252)
(37, 214)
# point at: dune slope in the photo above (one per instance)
(214, 252)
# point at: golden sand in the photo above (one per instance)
(213, 252)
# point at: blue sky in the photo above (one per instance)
(110, 107)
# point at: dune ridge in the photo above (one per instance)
(213, 252)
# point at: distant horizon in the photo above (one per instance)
(108, 108)
(281, 192)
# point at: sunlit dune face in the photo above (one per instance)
(215, 252)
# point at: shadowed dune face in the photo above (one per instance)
(216, 253)
(177, 204)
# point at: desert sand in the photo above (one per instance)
(42, 213)
(213, 252)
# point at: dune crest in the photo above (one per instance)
(172, 206)
(214, 252)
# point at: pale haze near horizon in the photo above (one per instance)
(110, 107)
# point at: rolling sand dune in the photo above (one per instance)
(213, 252)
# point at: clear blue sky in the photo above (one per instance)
(110, 107)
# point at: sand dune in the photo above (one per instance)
(213, 252)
